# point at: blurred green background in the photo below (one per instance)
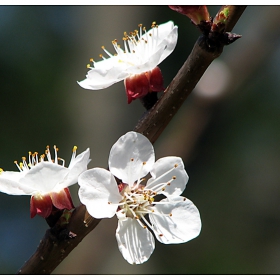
(227, 133)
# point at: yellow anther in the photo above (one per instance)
(101, 55)
(170, 214)
(140, 25)
(1, 170)
(75, 148)
(91, 60)
(144, 162)
(24, 158)
(88, 65)
(175, 165)
(102, 47)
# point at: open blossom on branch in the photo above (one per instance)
(137, 63)
(174, 219)
(45, 180)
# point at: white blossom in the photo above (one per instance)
(174, 219)
(45, 179)
(136, 63)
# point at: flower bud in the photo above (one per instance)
(195, 12)
(220, 20)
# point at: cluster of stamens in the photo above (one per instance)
(131, 41)
(136, 202)
(34, 158)
(139, 200)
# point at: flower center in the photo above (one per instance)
(139, 200)
(136, 202)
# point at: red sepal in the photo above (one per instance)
(136, 86)
(62, 199)
(139, 85)
(40, 205)
(156, 80)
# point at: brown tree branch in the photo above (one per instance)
(156, 119)
(59, 242)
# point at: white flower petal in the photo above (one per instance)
(182, 226)
(12, 175)
(170, 34)
(166, 28)
(99, 192)
(148, 65)
(135, 242)
(131, 157)
(164, 170)
(76, 167)
(99, 78)
(9, 183)
(43, 177)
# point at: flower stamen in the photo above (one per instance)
(33, 158)
(157, 187)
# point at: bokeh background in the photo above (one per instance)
(227, 133)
